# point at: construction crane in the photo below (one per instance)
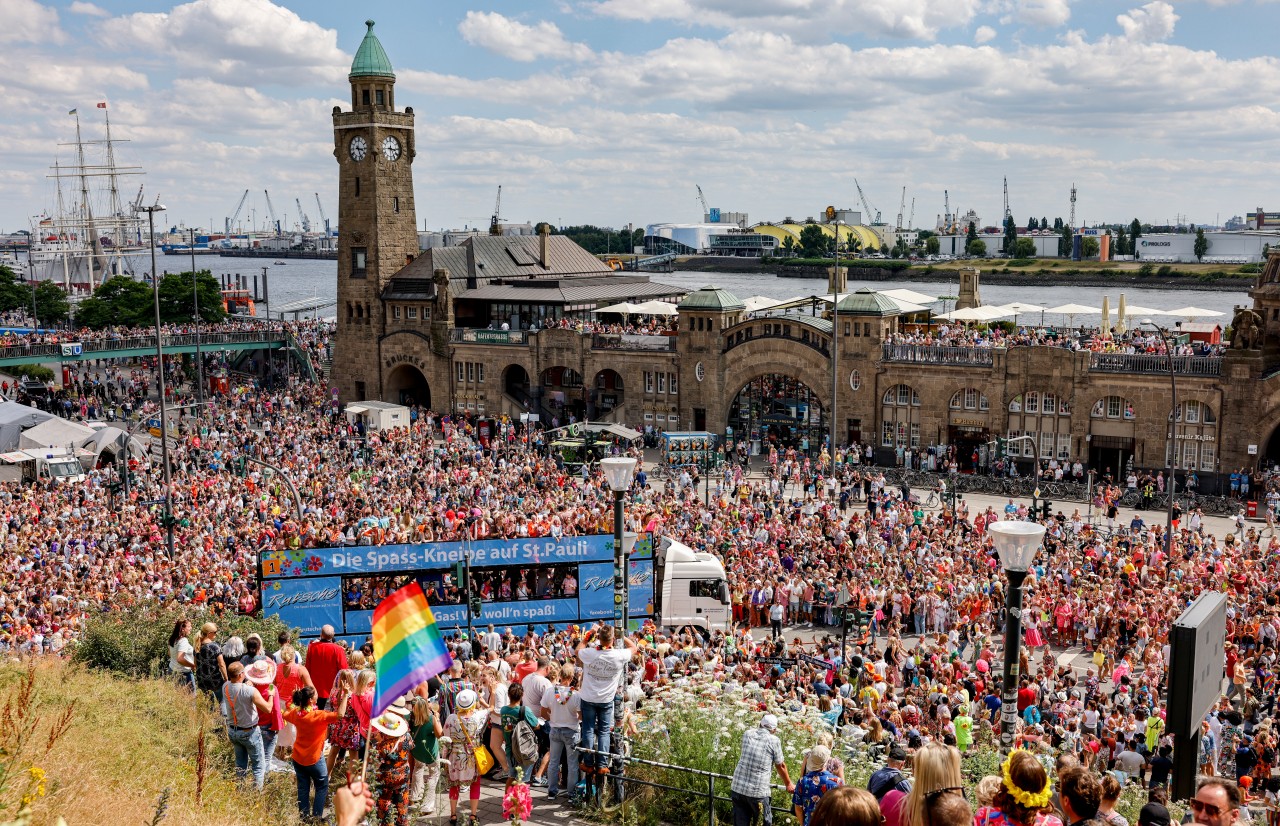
(136, 206)
(302, 216)
(911, 222)
(495, 223)
(1007, 213)
(271, 210)
(323, 219)
(702, 199)
(902, 208)
(235, 216)
(867, 204)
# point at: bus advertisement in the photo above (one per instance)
(524, 581)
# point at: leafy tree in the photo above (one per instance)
(601, 240)
(52, 306)
(1201, 244)
(14, 294)
(176, 304)
(1057, 223)
(1064, 240)
(1122, 242)
(932, 245)
(1044, 222)
(970, 235)
(1089, 247)
(814, 242)
(1032, 224)
(900, 247)
(789, 245)
(1010, 234)
(118, 300)
(884, 249)
(925, 234)
(977, 247)
(1135, 229)
(1024, 248)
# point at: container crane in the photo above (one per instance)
(865, 203)
(495, 223)
(302, 216)
(902, 208)
(702, 199)
(911, 222)
(231, 222)
(322, 215)
(271, 210)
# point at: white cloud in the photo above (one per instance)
(1044, 13)
(242, 40)
(88, 9)
(803, 19)
(26, 21)
(1151, 23)
(518, 41)
(984, 34)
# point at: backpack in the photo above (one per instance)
(524, 743)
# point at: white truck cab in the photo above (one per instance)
(43, 464)
(691, 589)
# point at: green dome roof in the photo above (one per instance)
(867, 302)
(711, 299)
(371, 58)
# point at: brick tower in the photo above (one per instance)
(377, 227)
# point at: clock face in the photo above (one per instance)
(390, 148)
(359, 148)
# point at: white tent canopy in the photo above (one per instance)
(655, 307)
(909, 296)
(756, 303)
(56, 433)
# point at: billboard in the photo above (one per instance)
(1196, 662)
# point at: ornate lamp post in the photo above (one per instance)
(618, 472)
(1017, 543)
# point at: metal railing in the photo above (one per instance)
(1154, 364)
(923, 354)
(474, 335)
(108, 345)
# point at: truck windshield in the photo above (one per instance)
(63, 469)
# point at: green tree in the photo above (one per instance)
(900, 247)
(1032, 224)
(117, 301)
(884, 249)
(14, 294)
(1135, 229)
(1064, 241)
(1044, 222)
(814, 242)
(971, 234)
(932, 246)
(1010, 234)
(176, 304)
(52, 306)
(1122, 242)
(1057, 223)
(1089, 247)
(977, 247)
(1201, 244)
(1024, 248)
(789, 245)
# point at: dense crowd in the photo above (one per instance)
(1131, 342)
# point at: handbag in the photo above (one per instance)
(484, 760)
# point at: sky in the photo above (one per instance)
(612, 111)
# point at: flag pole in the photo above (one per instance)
(364, 766)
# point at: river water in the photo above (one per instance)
(299, 279)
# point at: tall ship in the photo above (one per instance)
(93, 233)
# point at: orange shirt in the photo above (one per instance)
(313, 728)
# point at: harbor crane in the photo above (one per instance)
(271, 210)
(902, 208)
(136, 206)
(1007, 212)
(702, 199)
(302, 216)
(866, 204)
(235, 216)
(324, 220)
(495, 223)
(911, 222)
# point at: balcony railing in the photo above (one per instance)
(947, 356)
(1148, 363)
(208, 340)
(472, 335)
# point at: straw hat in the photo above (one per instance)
(391, 723)
(261, 672)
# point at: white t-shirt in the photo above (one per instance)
(601, 672)
(563, 703)
(182, 646)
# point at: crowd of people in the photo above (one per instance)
(1138, 341)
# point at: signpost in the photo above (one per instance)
(1197, 645)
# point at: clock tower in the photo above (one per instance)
(377, 227)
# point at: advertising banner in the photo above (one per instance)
(307, 604)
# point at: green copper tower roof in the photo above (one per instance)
(371, 59)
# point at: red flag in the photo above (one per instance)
(102, 105)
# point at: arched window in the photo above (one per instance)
(1195, 437)
(1113, 407)
(900, 417)
(970, 398)
(1044, 416)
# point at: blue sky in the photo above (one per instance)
(610, 111)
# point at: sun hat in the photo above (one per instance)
(261, 672)
(817, 758)
(769, 722)
(391, 723)
(466, 700)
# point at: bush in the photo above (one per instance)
(1146, 270)
(32, 371)
(1021, 262)
(1165, 269)
(134, 641)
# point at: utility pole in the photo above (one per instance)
(164, 431)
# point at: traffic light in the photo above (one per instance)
(460, 573)
(1046, 508)
(474, 607)
(1001, 447)
(241, 465)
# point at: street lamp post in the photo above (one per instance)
(195, 299)
(835, 349)
(164, 430)
(1173, 431)
(1017, 543)
(618, 472)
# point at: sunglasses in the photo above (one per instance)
(1208, 808)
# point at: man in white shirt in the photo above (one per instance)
(536, 686)
(603, 670)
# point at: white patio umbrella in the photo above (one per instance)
(760, 302)
(1105, 326)
(656, 307)
(907, 306)
(1192, 313)
(626, 308)
(909, 296)
(976, 314)
(1073, 310)
(1017, 308)
(1120, 314)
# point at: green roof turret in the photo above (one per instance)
(371, 59)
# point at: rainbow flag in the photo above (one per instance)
(407, 647)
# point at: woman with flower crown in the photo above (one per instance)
(1025, 796)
